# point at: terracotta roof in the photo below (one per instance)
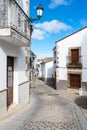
(47, 59)
(38, 60)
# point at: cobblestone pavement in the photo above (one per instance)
(53, 113)
(84, 111)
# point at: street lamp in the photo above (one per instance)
(39, 10)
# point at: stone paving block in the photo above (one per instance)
(54, 113)
(50, 112)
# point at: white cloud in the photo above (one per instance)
(53, 26)
(44, 29)
(38, 34)
(55, 3)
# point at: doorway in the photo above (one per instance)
(10, 71)
(75, 81)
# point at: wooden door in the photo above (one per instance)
(10, 63)
(75, 80)
(74, 56)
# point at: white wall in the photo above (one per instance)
(54, 64)
(84, 54)
(78, 39)
(19, 54)
(23, 92)
(62, 73)
(16, 51)
(15, 89)
(43, 71)
(22, 66)
(2, 69)
(49, 69)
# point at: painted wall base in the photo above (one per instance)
(84, 86)
(23, 97)
(3, 101)
(62, 85)
(23, 92)
(49, 81)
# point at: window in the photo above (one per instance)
(19, 18)
(25, 26)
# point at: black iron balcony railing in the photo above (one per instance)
(13, 16)
(74, 62)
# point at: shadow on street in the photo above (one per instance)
(81, 101)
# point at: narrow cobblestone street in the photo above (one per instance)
(53, 113)
(49, 111)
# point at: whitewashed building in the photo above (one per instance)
(14, 53)
(38, 66)
(33, 67)
(47, 70)
(70, 61)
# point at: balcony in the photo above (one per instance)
(74, 62)
(14, 23)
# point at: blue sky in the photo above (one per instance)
(60, 18)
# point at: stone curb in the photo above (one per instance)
(81, 118)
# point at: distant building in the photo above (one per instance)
(38, 64)
(47, 70)
(70, 61)
(33, 68)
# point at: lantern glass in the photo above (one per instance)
(39, 11)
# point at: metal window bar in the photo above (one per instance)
(78, 61)
(3, 13)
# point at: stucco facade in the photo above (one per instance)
(38, 66)
(75, 41)
(14, 52)
(33, 69)
(47, 72)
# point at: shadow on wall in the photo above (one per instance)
(82, 101)
(49, 82)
